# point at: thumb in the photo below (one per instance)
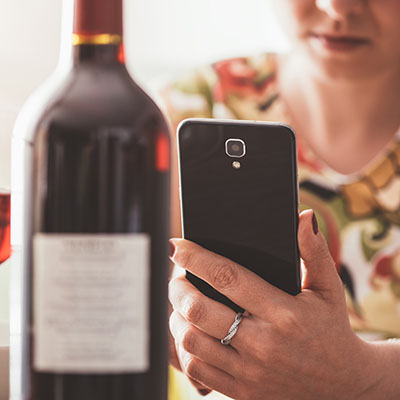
(320, 271)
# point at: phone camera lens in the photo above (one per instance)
(235, 148)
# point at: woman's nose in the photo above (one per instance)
(339, 9)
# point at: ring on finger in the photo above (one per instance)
(234, 328)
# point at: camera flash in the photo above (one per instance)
(236, 164)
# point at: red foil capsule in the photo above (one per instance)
(93, 17)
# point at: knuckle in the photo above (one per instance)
(224, 275)
(189, 340)
(261, 355)
(261, 352)
(173, 357)
(324, 256)
(174, 294)
(171, 346)
(172, 323)
(192, 367)
(171, 287)
(185, 258)
(288, 323)
(194, 310)
(322, 253)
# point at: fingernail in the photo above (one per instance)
(204, 392)
(314, 223)
(171, 249)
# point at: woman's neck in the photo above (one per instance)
(345, 123)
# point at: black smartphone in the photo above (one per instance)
(239, 197)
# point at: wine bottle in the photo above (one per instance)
(97, 203)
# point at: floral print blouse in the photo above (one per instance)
(359, 214)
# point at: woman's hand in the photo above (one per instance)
(289, 347)
(174, 360)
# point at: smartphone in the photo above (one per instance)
(239, 197)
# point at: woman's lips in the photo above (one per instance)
(339, 43)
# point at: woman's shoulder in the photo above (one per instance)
(240, 87)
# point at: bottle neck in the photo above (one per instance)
(98, 32)
(99, 53)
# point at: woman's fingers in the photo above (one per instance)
(202, 346)
(206, 314)
(239, 284)
(250, 291)
(321, 274)
(203, 390)
(206, 374)
(278, 341)
(173, 357)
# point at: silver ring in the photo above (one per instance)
(234, 328)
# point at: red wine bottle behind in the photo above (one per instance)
(99, 205)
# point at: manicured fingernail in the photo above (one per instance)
(171, 249)
(204, 392)
(314, 223)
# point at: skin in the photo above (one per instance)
(302, 347)
(290, 347)
(350, 111)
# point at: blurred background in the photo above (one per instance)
(163, 39)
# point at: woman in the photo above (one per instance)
(339, 89)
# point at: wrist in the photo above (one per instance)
(379, 366)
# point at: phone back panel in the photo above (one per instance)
(247, 214)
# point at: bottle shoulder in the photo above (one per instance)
(103, 91)
(95, 97)
(37, 104)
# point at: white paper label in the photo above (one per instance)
(91, 303)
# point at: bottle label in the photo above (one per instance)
(91, 303)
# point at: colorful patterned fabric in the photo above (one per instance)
(359, 214)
